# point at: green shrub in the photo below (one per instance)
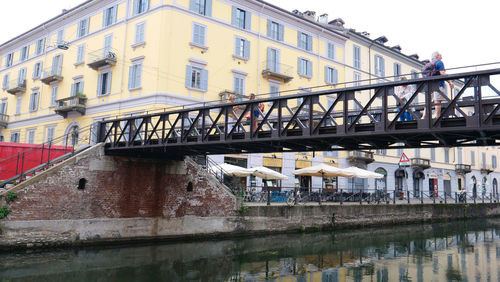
(4, 211)
(11, 196)
(243, 209)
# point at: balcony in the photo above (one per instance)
(360, 156)
(4, 120)
(224, 96)
(51, 74)
(486, 170)
(16, 86)
(462, 168)
(277, 71)
(74, 104)
(101, 58)
(420, 163)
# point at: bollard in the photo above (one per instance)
(361, 196)
(341, 196)
(421, 196)
(466, 197)
(394, 197)
(433, 198)
(445, 197)
(268, 196)
(491, 200)
(408, 196)
(295, 196)
(474, 196)
(456, 197)
(482, 200)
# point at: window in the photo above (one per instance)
(56, 65)
(50, 134)
(331, 75)
(379, 66)
(472, 158)
(135, 76)
(196, 78)
(40, 46)
(19, 100)
(21, 76)
(53, 95)
(14, 137)
(60, 37)
(494, 161)
(34, 101)
(203, 7)
(108, 39)
(274, 90)
(382, 152)
(330, 51)
(76, 88)
(80, 54)
(446, 155)
(397, 71)
(241, 18)
(275, 30)
(241, 48)
(433, 154)
(483, 159)
(459, 153)
(5, 82)
(24, 53)
(3, 108)
(109, 16)
(9, 59)
(357, 57)
(273, 60)
(37, 70)
(199, 34)
(356, 79)
(140, 6)
(305, 67)
(304, 41)
(31, 136)
(140, 29)
(83, 27)
(239, 85)
(104, 83)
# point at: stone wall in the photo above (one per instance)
(118, 187)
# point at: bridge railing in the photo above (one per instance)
(359, 112)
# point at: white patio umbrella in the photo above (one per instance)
(267, 174)
(363, 173)
(231, 170)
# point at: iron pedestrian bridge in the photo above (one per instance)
(353, 118)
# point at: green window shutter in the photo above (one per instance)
(299, 66)
(189, 71)
(131, 77)
(299, 44)
(309, 43)
(247, 49)
(269, 34)
(248, 20)
(327, 77)
(335, 76)
(309, 68)
(269, 62)
(281, 32)
(278, 61)
(80, 89)
(208, 8)
(108, 83)
(136, 7)
(234, 20)
(138, 75)
(99, 84)
(237, 50)
(204, 80)
(73, 90)
(191, 6)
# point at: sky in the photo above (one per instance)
(464, 31)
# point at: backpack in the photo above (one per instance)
(429, 69)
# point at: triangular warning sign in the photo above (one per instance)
(404, 159)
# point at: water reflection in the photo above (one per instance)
(458, 251)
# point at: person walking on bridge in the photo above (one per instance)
(438, 98)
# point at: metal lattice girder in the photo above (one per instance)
(366, 117)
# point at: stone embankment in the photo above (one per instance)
(96, 199)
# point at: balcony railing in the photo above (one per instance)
(277, 71)
(16, 86)
(4, 120)
(462, 168)
(101, 58)
(363, 156)
(73, 104)
(51, 74)
(421, 163)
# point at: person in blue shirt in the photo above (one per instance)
(438, 98)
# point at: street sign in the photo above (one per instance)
(404, 160)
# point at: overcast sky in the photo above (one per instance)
(464, 31)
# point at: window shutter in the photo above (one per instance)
(278, 61)
(131, 76)
(299, 43)
(269, 34)
(202, 35)
(87, 26)
(31, 102)
(208, 8)
(237, 50)
(248, 20)
(299, 66)
(247, 49)
(309, 68)
(99, 84)
(309, 43)
(36, 102)
(268, 66)
(382, 67)
(327, 77)
(108, 83)
(104, 17)
(235, 85)
(146, 5)
(196, 34)
(114, 13)
(335, 76)
(136, 7)
(189, 71)
(191, 6)
(80, 89)
(281, 32)
(204, 80)
(234, 20)
(138, 75)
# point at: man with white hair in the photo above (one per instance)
(437, 98)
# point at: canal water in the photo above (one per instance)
(454, 251)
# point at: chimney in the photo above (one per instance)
(310, 15)
(64, 11)
(397, 48)
(365, 33)
(414, 56)
(337, 22)
(297, 12)
(382, 39)
(323, 19)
